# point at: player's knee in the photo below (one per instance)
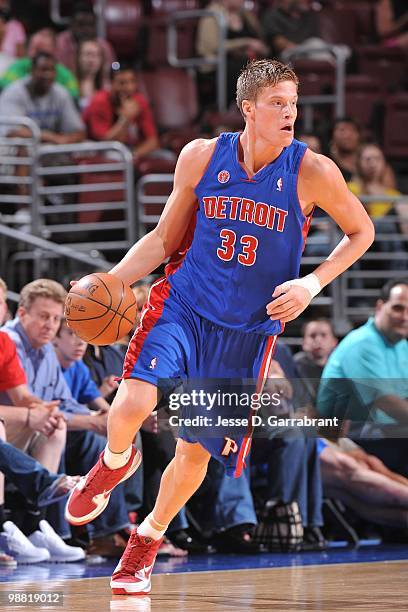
(191, 457)
(135, 400)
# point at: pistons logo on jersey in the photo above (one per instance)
(224, 176)
(230, 446)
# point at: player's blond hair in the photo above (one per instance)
(42, 287)
(258, 74)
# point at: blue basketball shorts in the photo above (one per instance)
(217, 367)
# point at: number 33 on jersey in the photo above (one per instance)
(248, 238)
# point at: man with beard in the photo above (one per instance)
(45, 102)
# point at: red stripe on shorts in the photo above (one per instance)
(262, 376)
(152, 311)
(158, 294)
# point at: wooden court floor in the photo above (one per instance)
(378, 587)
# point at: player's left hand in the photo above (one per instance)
(291, 301)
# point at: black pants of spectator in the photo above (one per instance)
(292, 471)
(29, 476)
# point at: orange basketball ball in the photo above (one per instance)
(100, 308)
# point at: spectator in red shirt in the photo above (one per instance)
(123, 114)
(30, 415)
(45, 430)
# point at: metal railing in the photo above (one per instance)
(219, 62)
(150, 205)
(358, 288)
(73, 209)
(80, 194)
(18, 185)
(99, 9)
(43, 258)
(338, 98)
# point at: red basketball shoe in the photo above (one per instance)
(91, 495)
(132, 576)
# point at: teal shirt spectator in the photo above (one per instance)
(364, 367)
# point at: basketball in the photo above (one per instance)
(100, 308)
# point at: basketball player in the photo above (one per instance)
(234, 229)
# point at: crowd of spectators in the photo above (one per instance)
(60, 388)
(85, 64)
(55, 395)
(71, 84)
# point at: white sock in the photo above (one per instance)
(146, 529)
(116, 460)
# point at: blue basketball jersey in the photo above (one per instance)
(248, 238)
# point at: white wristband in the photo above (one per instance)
(309, 282)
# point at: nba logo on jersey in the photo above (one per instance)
(153, 363)
(223, 176)
(279, 184)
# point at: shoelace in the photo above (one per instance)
(132, 561)
(105, 475)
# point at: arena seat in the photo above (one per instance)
(91, 197)
(173, 96)
(170, 6)
(231, 120)
(175, 140)
(158, 16)
(123, 24)
(64, 5)
(156, 35)
(315, 77)
(339, 26)
(364, 11)
(395, 132)
(159, 190)
(153, 165)
(363, 94)
(384, 63)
